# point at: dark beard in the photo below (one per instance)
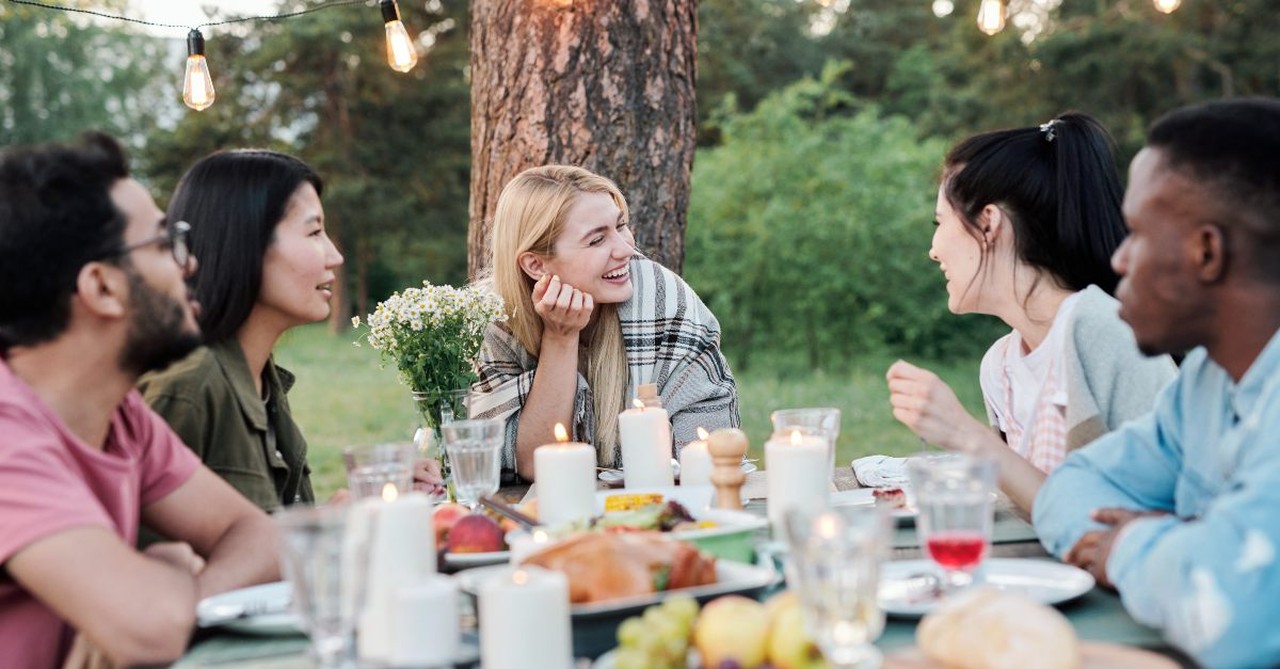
(156, 336)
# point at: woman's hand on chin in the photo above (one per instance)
(928, 406)
(564, 310)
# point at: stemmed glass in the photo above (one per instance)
(324, 556)
(474, 448)
(835, 571)
(822, 421)
(953, 494)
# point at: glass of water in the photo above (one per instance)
(371, 468)
(474, 448)
(834, 568)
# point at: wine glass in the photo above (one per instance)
(474, 448)
(953, 494)
(834, 569)
(324, 555)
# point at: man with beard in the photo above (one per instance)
(1178, 510)
(93, 294)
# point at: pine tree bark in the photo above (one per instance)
(604, 84)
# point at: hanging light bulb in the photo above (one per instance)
(943, 8)
(401, 54)
(1168, 6)
(991, 16)
(197, 85)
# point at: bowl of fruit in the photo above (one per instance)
(466, 538)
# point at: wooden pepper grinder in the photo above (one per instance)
(727, 447)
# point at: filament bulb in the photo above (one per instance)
(1168, 6)
(401, 54)
(991, 16)
(197, 85)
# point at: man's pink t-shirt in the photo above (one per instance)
(51, 482)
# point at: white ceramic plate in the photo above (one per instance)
(866, 497)
(731, 578)
(904, 584)
(234, 610)
(469, 560)
(614, 477)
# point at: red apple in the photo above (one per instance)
(475, 533)
(444, 518)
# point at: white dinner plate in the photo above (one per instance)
(731, 578)
(906, 585)
(614, 477)
(237, 610)
(866, 497)
(469, 560)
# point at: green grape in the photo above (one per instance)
(683, 608)
(631, 658)
(631, 633)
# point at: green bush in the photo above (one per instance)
(809, 231)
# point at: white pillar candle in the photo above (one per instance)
(524, 544)
(424, 624)
(566, 479)
(403, 551)
(695, 462)
(796, 468)
(645, 434)
(524, 620)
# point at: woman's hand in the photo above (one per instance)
(564, 310)
(427, 476)
(922, 402)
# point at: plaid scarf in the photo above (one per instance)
(671, 339)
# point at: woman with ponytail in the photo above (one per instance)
(589, 319)
(1026, 222)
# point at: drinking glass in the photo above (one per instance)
(324, 556)
(475, 457)
(371, 468)
(834, 569)
(953, 494)
(823, 421)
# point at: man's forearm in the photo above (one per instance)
(247, 554)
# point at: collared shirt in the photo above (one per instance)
(210, 400)
(1209, 456)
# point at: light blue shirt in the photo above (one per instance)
(1209, 455)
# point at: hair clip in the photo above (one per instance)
(1047, 129)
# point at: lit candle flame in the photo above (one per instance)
(702, 434)
(389, 492)
(639, 404)
(520, 577)
(540, 537)
(827, 527)
(796, 438)
(562, 435)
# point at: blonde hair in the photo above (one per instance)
(530, 216)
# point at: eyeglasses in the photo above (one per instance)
(174, 237)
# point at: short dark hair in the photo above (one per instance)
(1231, 148)
(1059, 185)
(233, 201)
(56, 215)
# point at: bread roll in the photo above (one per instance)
(988, 629)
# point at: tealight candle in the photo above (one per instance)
(402, 551)
(566, 479)
(695, 462)
(796, 465)
(424, 624)
(524, 618)
(645, 433)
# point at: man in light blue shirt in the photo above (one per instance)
(1180, 510)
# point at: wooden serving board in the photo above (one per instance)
(1095, 655)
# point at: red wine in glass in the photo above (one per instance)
(957, 550)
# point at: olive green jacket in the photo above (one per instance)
(210, 400)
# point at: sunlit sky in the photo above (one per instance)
(192, 12)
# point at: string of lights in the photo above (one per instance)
(197, 83)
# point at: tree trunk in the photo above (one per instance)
(604, 84)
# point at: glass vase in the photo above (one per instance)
(436, 409)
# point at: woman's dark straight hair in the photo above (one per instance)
(233, 201)
(1057, 183)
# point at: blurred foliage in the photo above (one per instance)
(809, 231)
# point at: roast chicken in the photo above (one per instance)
(605, 566)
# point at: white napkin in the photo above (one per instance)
(881, 471)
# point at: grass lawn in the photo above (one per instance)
(342, 397)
